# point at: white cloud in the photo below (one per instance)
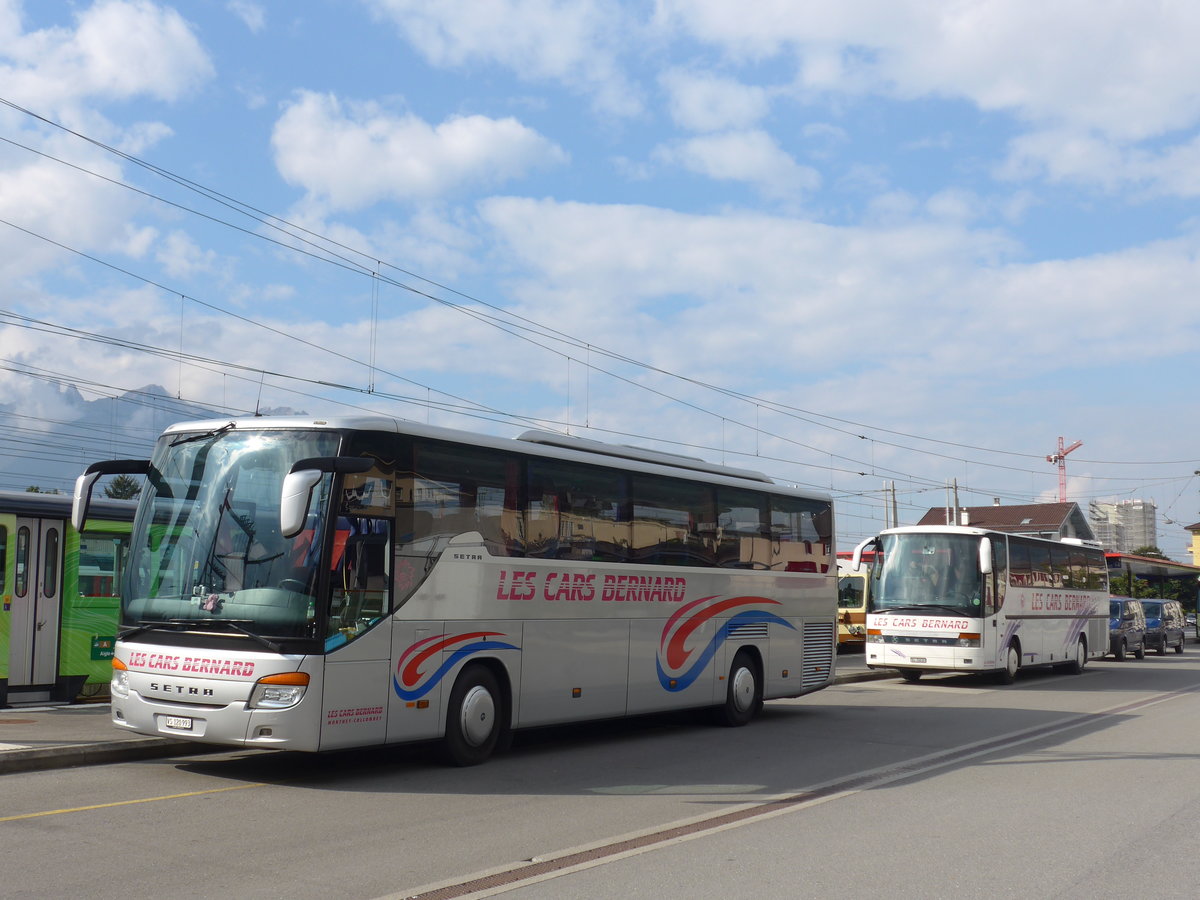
(703, 102)
(748, 156)
(350, 156)
(575, 42)
(119, 49)
(253, 15)
(1092, 82)
(37, 195)
(1071, 157)
(1124, 68)
(180, 257)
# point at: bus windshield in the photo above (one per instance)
(208, 547)
(939, 571)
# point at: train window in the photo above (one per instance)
(3, 558)
(21, 580)
(50, 564)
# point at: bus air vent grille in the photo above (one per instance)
(818, 654)
(753, 631)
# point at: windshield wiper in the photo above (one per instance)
(216, 432)
(163, 625)
(183, 624)
(238, 626)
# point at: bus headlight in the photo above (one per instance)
(278, 691)
(119, 686)
(968, 639)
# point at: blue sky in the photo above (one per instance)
(844, 244)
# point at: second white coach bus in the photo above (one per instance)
(959, 599)
(313, 585)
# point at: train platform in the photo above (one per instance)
(67, 735)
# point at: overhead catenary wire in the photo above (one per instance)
(325, 255)
(370, 268)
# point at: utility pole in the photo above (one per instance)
(1061, 459)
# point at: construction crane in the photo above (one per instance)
(1061, 459)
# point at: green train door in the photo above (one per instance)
(36, 603)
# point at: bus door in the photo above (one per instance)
(36, 602)
(358, 640)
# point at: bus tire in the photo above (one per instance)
(912, 676)
(1012, 663)
(1076, 667)
(743, 692)
(475, 717)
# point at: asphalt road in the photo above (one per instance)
(1065, 786)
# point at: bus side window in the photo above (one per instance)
(997, 582)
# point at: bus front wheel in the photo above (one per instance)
(743, 693)
(475, 717)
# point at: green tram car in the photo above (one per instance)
(59, 596)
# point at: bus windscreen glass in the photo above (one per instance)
(210, 550)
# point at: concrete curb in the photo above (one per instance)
(68, 756)
(868, 675)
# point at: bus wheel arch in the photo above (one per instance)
(476, 714)
(743, 689)
(1012, 663)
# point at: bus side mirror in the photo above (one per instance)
(87, 481)
(985, 556)
(856, 560)
(296, 494)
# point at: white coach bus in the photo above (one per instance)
(959, 599)
(312, 585)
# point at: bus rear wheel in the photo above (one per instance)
(1076, 667)
(743, 693)
(475, 717)
(1012, 662)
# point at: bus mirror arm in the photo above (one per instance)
(296, 494)
(856, 561)
(93, 473)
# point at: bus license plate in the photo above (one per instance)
(917, 659)
(179, 723)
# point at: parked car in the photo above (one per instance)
(1164, 625)
(1126, 627)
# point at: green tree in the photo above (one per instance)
(123, 487)
(1151, 551)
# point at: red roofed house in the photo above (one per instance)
(1050, 520)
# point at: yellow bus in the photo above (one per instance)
(853, 592)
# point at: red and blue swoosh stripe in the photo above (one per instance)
(683, 665)
(411, 681)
